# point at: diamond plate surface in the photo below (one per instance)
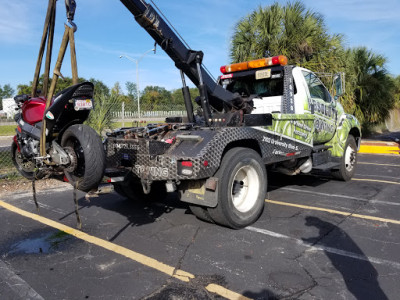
(157, 160)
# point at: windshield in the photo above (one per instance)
(248, 85)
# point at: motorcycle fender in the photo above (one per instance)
(16, 143)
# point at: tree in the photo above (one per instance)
(302, 36)
(396, 82)
(100, 117)
(177, 96)
(373, 88)
(116, 89)
(290, 30)
(24, 89)
(5, 92)
(132, 90)
(131, 98)
(155, 97)
(63, 83)
(99, 88)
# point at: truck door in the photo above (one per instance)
(323, 107)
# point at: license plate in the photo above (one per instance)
(262, 74)
(81, 104)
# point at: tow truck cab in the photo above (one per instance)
(262, 82)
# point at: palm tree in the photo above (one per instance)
(373, 87)
(290, 30)
(100, 117)
(302, 36)
(397, 91)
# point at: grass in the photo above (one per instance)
(6, 130)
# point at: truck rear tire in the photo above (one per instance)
(348, 161)
(201, 213)
(242, 187)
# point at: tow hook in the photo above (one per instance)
(146, 184)
(105, 188)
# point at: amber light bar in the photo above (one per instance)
(254, 64)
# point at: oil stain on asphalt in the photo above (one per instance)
(45, 243)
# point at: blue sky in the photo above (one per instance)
(107, 30)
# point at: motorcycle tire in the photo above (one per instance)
(25, 166)
(90, 156)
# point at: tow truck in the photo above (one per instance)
(259, 114)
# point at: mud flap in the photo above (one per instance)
(200, 192)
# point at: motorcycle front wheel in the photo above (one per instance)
(89, 156)
(25, 166)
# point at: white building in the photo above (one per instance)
(9, 107)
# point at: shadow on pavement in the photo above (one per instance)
(360, 276)
(278, 180)
(263, 295)
(387, 137)
(138, 213)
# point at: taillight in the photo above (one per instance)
(187, 164)
(185, 167)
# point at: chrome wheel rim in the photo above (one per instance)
(350, 158)
(245, 188)
(24, 164)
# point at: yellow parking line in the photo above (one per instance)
(375, 180)
(366, 163)
(135, 256)
(228, 294)
(379, 149)
(332, 211)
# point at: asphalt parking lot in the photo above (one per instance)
(317, 239)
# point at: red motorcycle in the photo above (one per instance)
(72, 148)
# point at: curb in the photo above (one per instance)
(379, 147)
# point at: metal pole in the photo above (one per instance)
(137, 88)
(136, 61)
(123, 113)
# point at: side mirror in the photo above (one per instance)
(339, 84)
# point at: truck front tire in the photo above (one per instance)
(242, 187)
(348, 161)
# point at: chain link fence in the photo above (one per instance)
(7, 131)
(129, 114)
(121, 115)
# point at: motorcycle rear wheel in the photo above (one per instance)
(90, 156)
